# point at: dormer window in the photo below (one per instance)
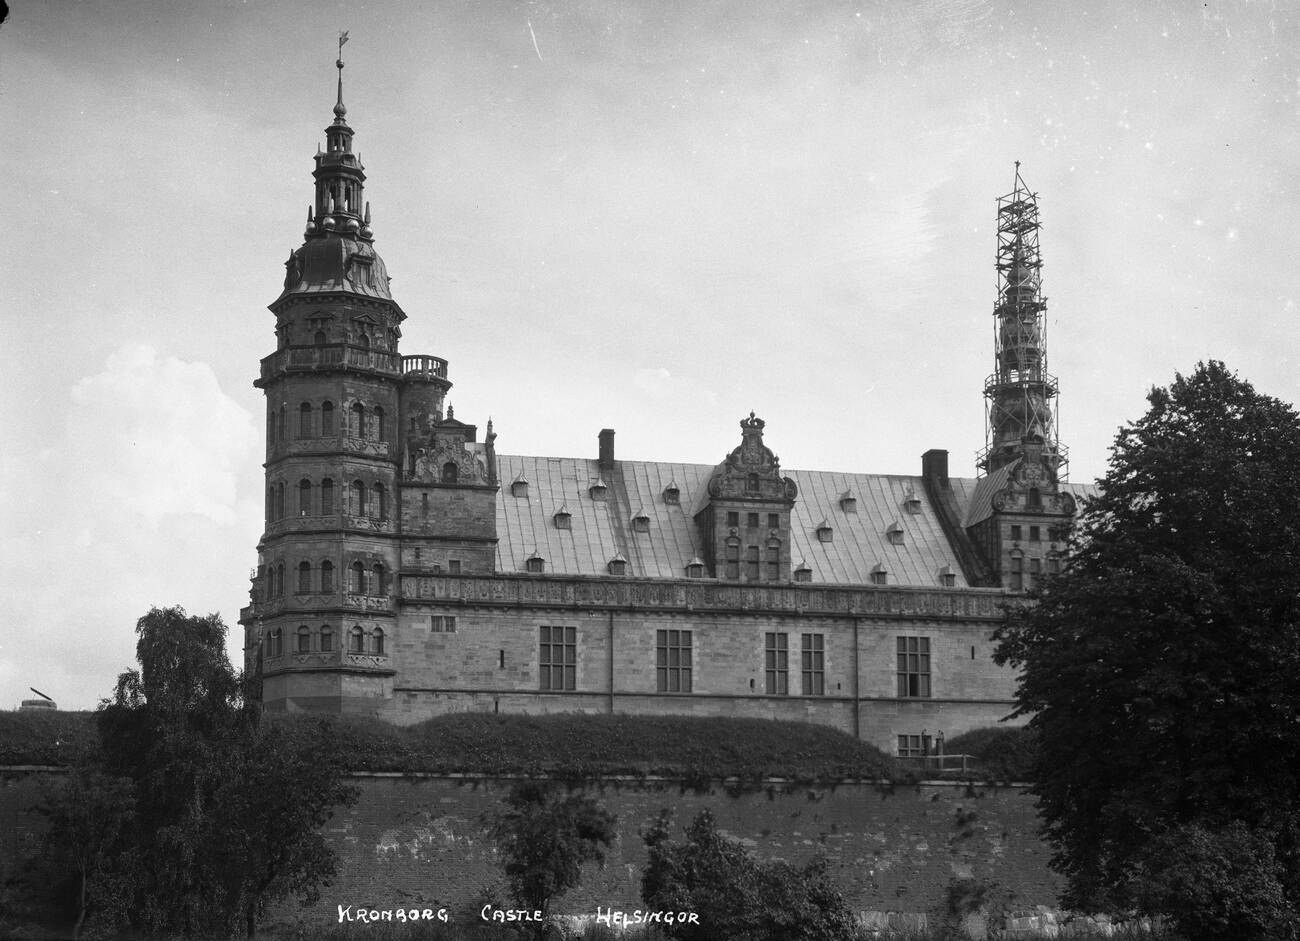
(848, 502)
(672, 496)
(695, 568)
(535, 564)
(751, 483)
(618, 565)
(825, 533)
(563, 519)
(598, 489)
(879, 574)
(519, 486)
(947, 577)
(894, 534)
(803, 573)
(450, 472)
(641, 522)
(911, 502)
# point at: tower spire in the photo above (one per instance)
(340, 205)
(1021, 392)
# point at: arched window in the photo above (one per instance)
(320, 338)
(304, 420)
(327, 419)
(357, 426)
(364, 340)
(379, 423)
(326, 638)
(280, 426)
(326, 497)
(449, 472)
(358, 507)
(380, 584)
(358, 586)
(274, 643)
(380, 508)
(327, 575)
(270, 428)
(304, 639)
(304, 498)
(304, 577)
(270, 503)
(279, 502)
(358, 640)
(279, 580)
(377, 641)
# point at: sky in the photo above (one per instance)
(649, 216)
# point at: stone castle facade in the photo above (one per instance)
(407, 569)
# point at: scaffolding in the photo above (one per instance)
(1020, 394)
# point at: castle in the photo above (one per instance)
(407, 569)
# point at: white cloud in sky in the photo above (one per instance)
(157, 435)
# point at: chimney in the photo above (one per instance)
(934, 466)
(606, 459)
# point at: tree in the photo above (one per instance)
(227, 807)
(1159, 669)
(546, 839)
(737, 896)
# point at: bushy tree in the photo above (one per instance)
(224, 810)
(1159, 670)
(735, 895)
(545, 838)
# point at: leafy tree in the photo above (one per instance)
(1159, 669)
(546, 839)
(737, 896)
(226, 808)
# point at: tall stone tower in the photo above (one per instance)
(356, 440)
(1018, 506)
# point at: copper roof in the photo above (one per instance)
(601, 530)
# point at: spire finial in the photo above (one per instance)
(339, 110)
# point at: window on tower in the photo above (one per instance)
(327, 575)
(326, 496)
(358, 586)
(304, 639)
(304, 577)
(380, 585)
(379, 423)
(304, 498)
(377, 641)
(327, 419)
(304, 420)
(380, 508)
(357, 640)
(358, 498)
(357, 426)
(326, 638)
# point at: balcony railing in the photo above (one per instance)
(338, 356)
(424, 367)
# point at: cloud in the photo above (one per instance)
(157, 436)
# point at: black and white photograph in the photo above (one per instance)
(620, 469)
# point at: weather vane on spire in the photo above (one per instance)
(339, 110)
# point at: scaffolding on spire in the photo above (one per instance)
(1020, 413)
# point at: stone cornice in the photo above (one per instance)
(697, 596)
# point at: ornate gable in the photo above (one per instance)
(751, 471)
(445, 458)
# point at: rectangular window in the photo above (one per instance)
(453, 566)
(911, 746)
(558, 660)
(813, 665)
(1033, 533)
(733, 561)
(1017, 574)
(773, 521)
(914, 667)
(1015, 533)
(751, 563)
(733, 519)
(442, 623)
(424, 505)
(752, 521)
(776, 664)
(773, 563)
(673, 661)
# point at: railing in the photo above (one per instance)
(940, 762)
(308, 358)
(424, 367)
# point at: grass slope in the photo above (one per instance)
(567, 745)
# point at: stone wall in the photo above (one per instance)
(420, 841)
